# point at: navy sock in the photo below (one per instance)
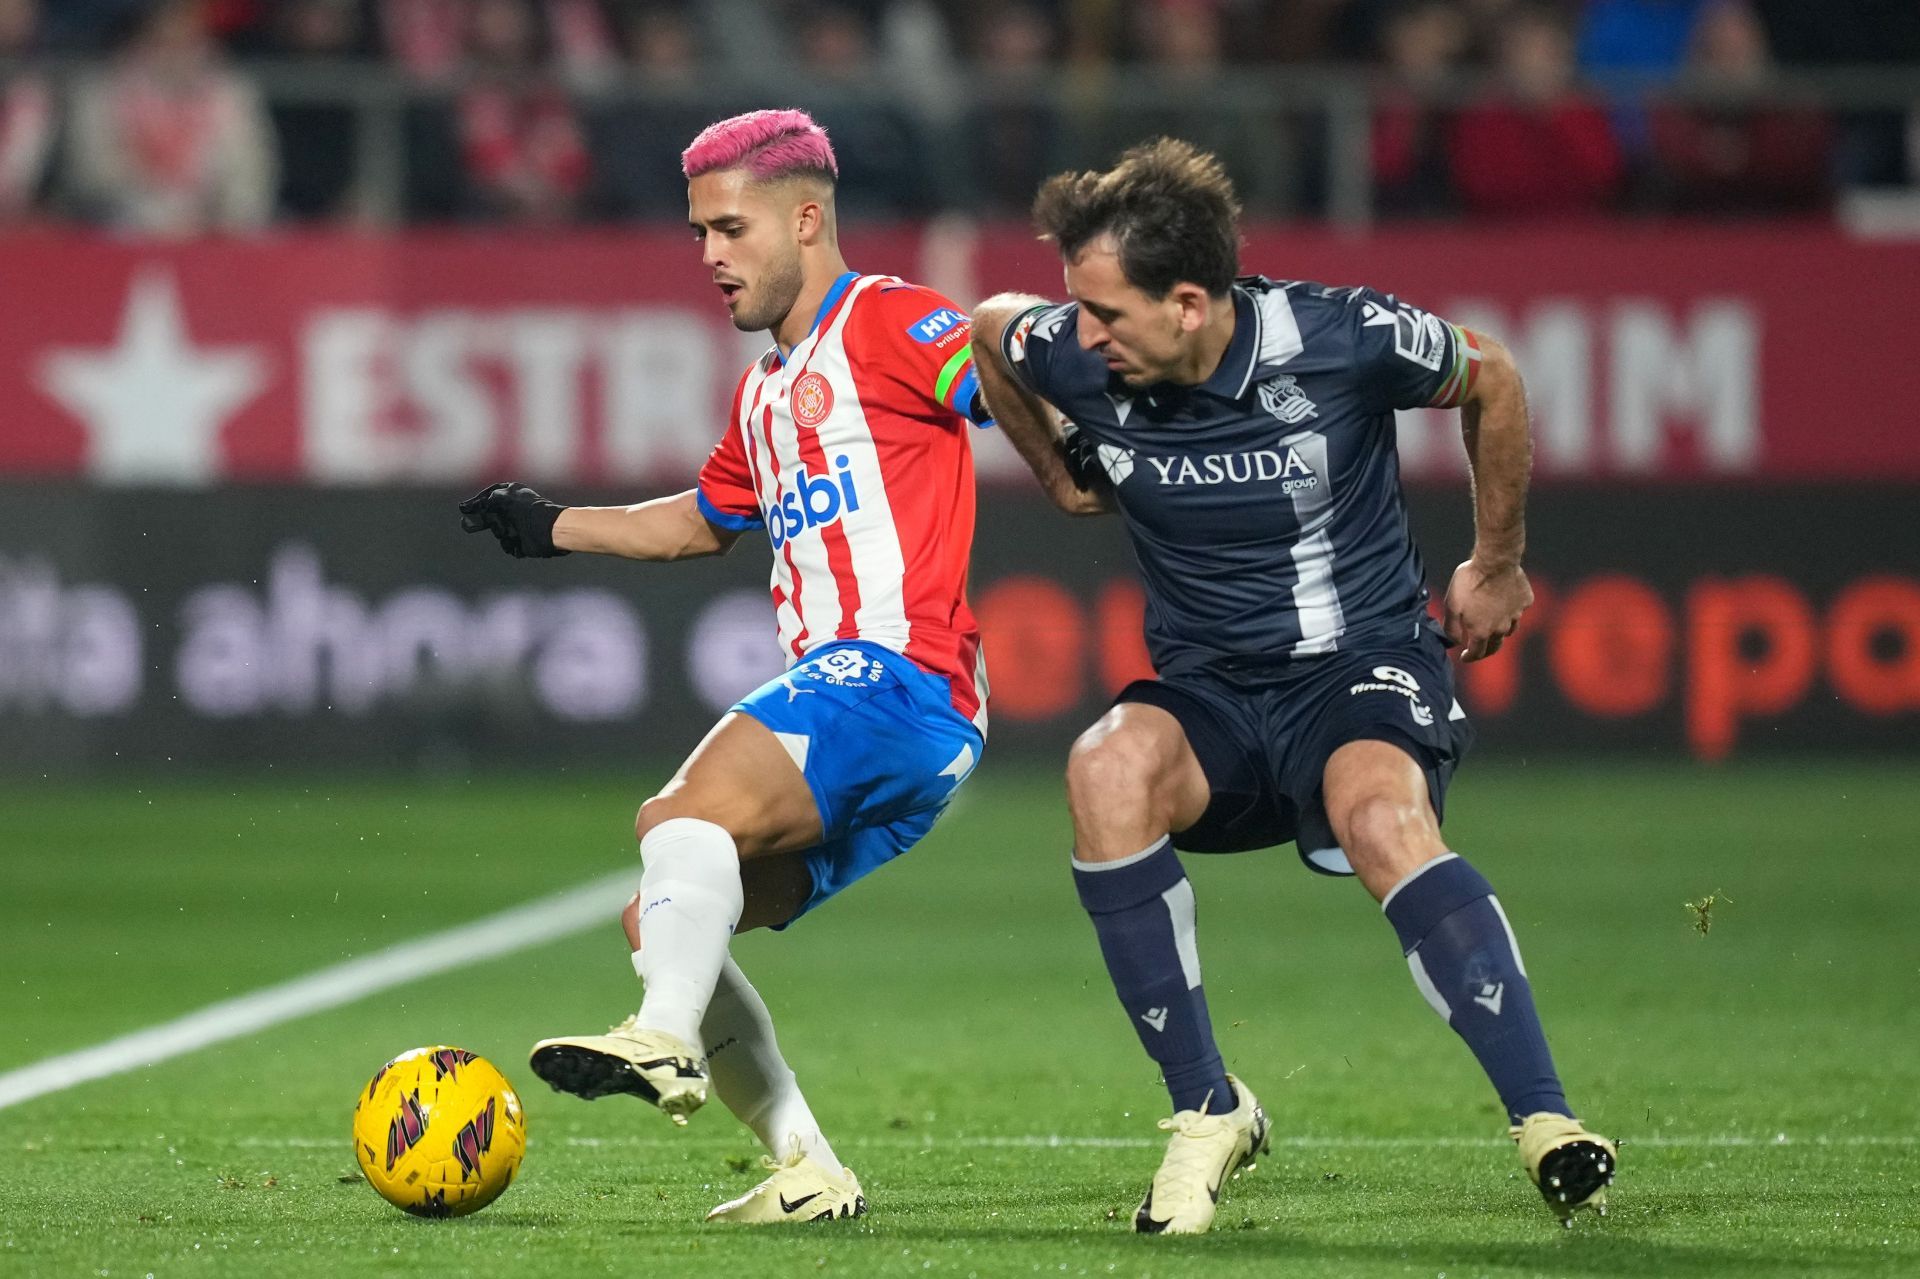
(1466, 962)
(1142, 909)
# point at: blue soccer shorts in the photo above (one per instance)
(882, 748)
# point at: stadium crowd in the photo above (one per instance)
(163, 116)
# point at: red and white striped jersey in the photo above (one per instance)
(853, 453)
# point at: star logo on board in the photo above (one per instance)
(153, 402)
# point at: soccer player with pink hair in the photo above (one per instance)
(848, 443)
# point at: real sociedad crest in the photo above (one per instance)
(1282, 397)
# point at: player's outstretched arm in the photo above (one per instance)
(1489, 592)
(527, 525)
(667, 528)
(1027, 420)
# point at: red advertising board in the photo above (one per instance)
(1652, 352)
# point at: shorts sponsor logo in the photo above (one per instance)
(1391, 679)
(1398, 676)
(846, 668)
(812, 400)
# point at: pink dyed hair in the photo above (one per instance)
(767, 144)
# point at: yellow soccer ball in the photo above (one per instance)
(439, 1132)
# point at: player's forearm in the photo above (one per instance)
(1022, 416)
(667, 528)
(1028, 426)
(1499, 444)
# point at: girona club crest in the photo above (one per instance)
(812, 400)
(473, 1141)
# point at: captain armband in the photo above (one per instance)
(1464, 370)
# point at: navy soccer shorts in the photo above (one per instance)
(1264, 740)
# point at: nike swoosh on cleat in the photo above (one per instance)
(681, 1066)
(1144, 1222)
(799, 1203)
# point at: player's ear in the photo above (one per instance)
(1195, 306)
(812, 221)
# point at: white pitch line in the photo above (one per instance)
(1059, 1141)
(520, 928)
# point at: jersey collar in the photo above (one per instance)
(834, 291)
(1235, 374)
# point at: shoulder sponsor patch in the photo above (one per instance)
(935, 325)
(1419, 337)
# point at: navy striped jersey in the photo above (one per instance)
(1264, 504)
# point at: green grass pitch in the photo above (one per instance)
(950, 1018)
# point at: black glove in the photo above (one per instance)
(518, 516)
(1082, 457)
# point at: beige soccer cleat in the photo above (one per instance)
(1203, 1153)
(649, 1064)
(1572, 1167)
(800, 1189)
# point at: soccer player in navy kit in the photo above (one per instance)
(1243, 429)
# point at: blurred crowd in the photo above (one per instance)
(181, 117)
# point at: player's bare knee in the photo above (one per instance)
(1381, 828)
(661, 808)
(1107, 768)
(1114, 783)
(630, 921)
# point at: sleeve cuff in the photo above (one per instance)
(720, 519)
(1013, 345)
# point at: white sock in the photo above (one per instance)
(750, 1074)
(690, 903)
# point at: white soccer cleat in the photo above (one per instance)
(800, 1189)
(1203, 1153)
(649, 1064)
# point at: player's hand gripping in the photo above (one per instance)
(518, 516)
(1483, 606)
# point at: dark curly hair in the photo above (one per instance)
(1169, 207)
